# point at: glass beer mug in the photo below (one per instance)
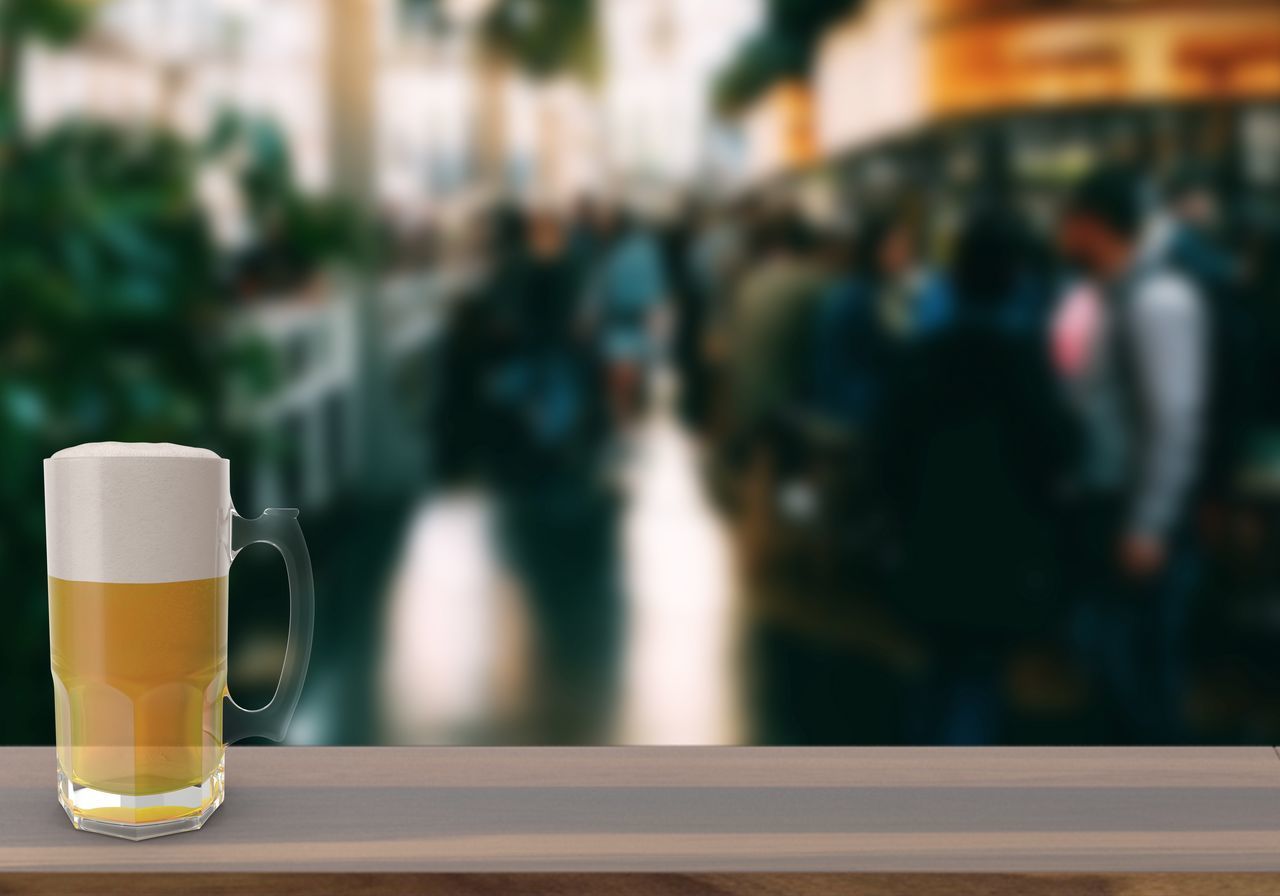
(140, 539)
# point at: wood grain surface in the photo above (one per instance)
(686, 820)
(479, 884)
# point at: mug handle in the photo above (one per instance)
(278, 528)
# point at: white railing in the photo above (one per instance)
(332, 412)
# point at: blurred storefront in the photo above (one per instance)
(1098, 52)
(895, 70)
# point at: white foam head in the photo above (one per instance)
(134, 449)
(137, 513)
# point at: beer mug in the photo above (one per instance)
(140, 539)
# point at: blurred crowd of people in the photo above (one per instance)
(973, 473)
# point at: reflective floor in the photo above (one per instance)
(571, 614)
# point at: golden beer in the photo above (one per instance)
(139, 674)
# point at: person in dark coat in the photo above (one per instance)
(974, 439)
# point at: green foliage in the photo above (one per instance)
(763, 61)
(297, 232)
(803, 21)
(546, 38)
(784, 49)
(99, 224)
(109, 313)
(52, 21)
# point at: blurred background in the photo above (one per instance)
(741, 371)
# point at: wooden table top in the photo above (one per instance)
(706, 816)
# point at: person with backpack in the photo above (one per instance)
(1141, 393)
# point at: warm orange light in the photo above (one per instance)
(983, 57)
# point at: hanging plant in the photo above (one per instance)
(782, 50)
(546, 38)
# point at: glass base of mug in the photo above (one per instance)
(140, 817)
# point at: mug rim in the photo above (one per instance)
(139, 457)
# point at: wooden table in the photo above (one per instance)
(681, 820)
